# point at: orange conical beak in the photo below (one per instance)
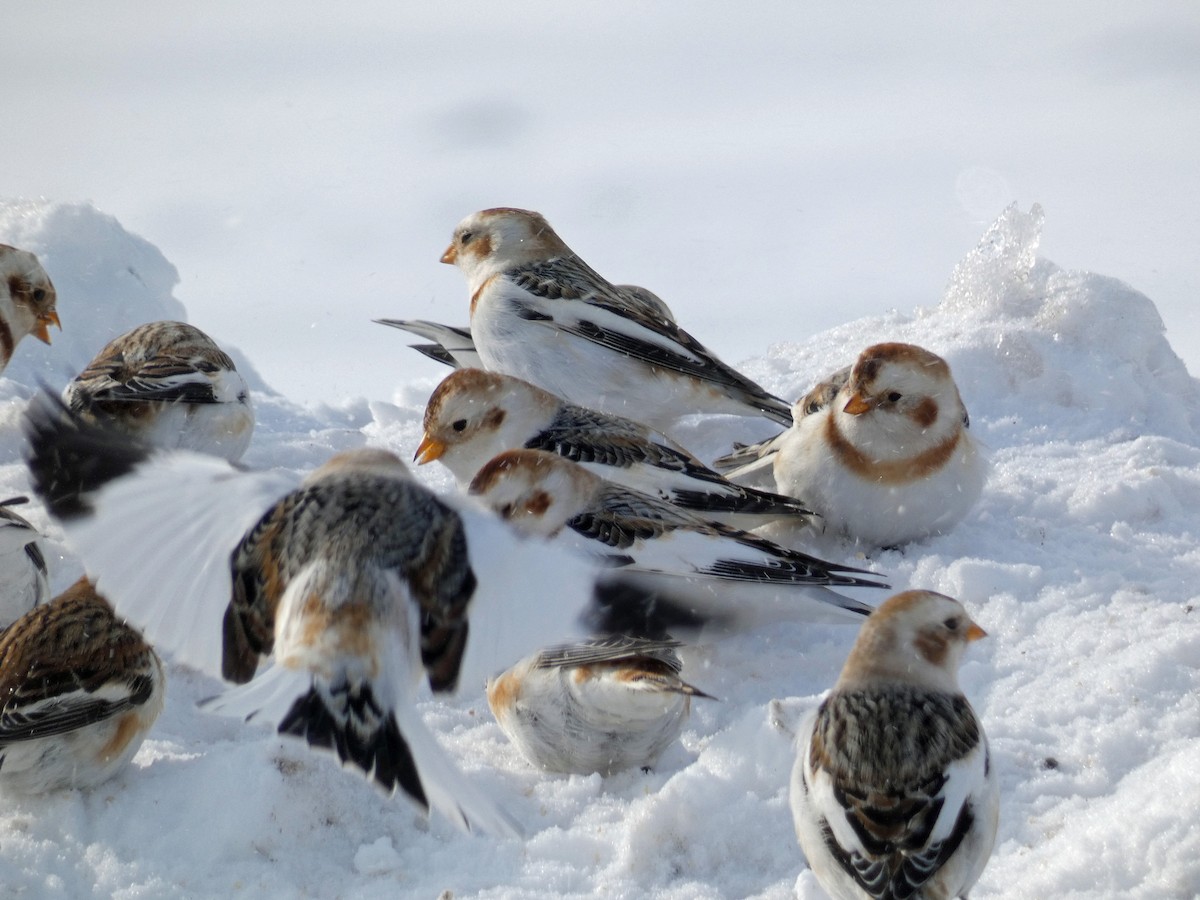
(41, 330)
(974, 633)
(450, 256)
(428, 450)
(857, 405)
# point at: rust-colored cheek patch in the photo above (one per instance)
(926, 412)
(933, 647)
(481, 246)
(538, 503)
(494, 418)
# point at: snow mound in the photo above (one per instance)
(108, 281)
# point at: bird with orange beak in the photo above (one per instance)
(882, 450)
(541, 314)
(894, 793)
(28, 301)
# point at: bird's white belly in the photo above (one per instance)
(878, 512)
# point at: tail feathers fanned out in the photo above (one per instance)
(391, 747)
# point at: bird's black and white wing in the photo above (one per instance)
(450, 345)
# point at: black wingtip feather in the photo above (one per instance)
(70, 459)
(625, 606)
(749, 502)
(361, 735)
(437, 353)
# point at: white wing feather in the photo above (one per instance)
(167, 568)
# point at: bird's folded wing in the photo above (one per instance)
(604, 317)
(612, 649)
(68, 711)
(586, 436)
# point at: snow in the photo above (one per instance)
(1081, 561)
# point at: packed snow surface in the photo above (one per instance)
(1081, 561)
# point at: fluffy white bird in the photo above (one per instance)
(169, 384)
(28, 301)
(474, 415)
(882, 451)
(362, 583)
(23, 575)
(597, 706)
(540, 313)
(727, 573)
(79, 690)
(893, 793)
(454, 346)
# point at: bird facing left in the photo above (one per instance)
(28, 301)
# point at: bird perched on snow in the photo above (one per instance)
(882, 451)
(473, 415)
(28, 301)
(454, 346)
(597, 706)
(362, 583)
(23, 575)
(727, 573)
(79, 690)
(169, 384)
(540, 313)
(893, 793)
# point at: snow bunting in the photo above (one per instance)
(881, 451)
(893, 793)
(28, 302)
(79, 691)
(727, 573)
(597, 706)
(362, 583)
(474, 415)
(454, 346)
(23, 575)
(540, 313)
(168, 383)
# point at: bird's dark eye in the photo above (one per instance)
(466, 237)
(459, 424)
(39, 294)
(506, 511)
(951, 624)
(894, 396)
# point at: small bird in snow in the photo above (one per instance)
(540, 313)
(169, 384)
(28, 301)
(596, 706)
(893, 793)
(362, 583)
(882, 451)
(79, 690)
(23, 576)
(454, 346)
(727, 573)
(474, 415)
